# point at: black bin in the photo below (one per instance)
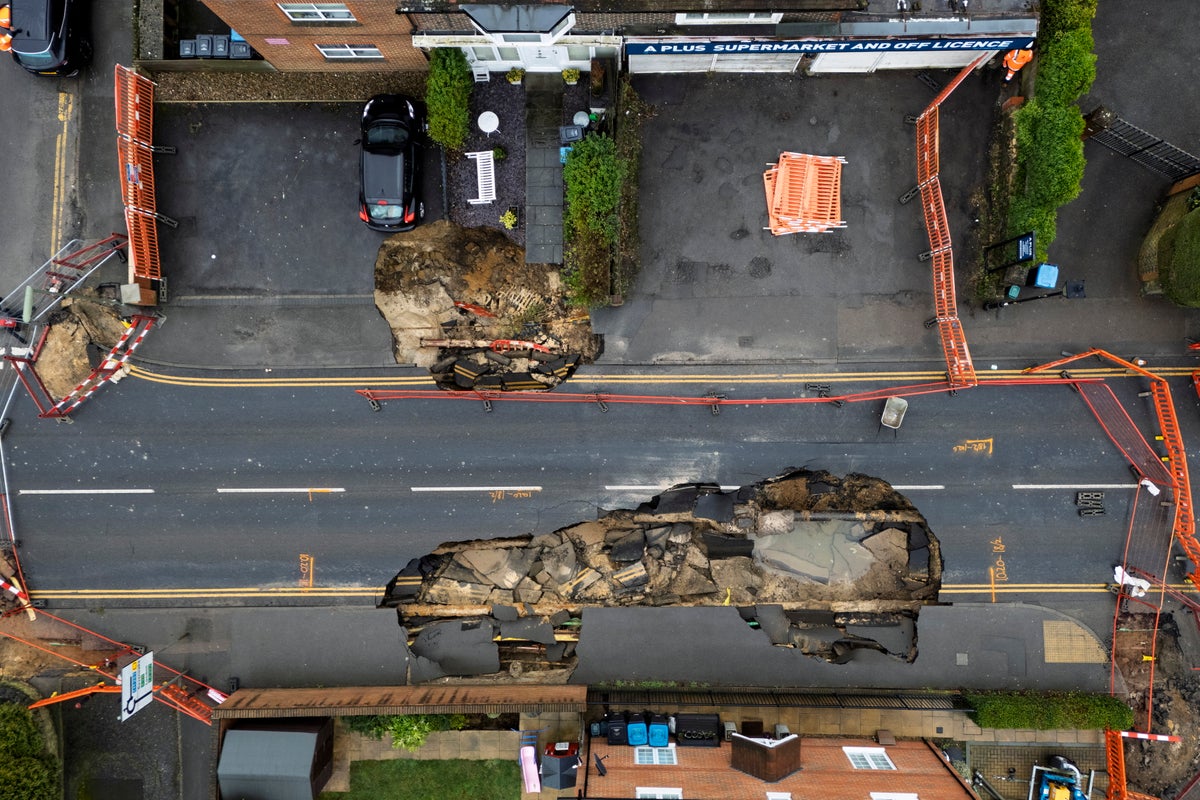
(617, 728)
(220, 47)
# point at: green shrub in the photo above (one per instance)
(1066, 68)
(411, 730)
(1024, 216)
(1052, 155)
(29, 779)
(1050, 711)
(447, 92)
(372, 725)
(1060, 16)
(27, 770)
(1180, 266)
(19, 735)
(592, 176)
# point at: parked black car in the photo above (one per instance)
(49, 37)
(390, 163)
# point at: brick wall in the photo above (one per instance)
(376, 23)
(704, 773)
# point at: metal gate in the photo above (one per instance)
(1151, 152)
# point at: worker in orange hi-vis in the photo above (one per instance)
(5, 26)
(1014, 60)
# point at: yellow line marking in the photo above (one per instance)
(66, 104)
(375, 591)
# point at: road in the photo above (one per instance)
(220, 489)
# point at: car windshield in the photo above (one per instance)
(386, 136)
(37, 60)
(383, 211)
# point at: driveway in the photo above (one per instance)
(847, 295)
(267, 200)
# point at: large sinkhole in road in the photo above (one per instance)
(826, 565)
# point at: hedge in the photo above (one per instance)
(27, 770)
(592, 176)
(1066, 68)
(1061, 16)
(1050, 156)
(1179, 270)
(447, 93)
(1050, 711)
(1050, 152)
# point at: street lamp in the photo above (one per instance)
(1073, 290)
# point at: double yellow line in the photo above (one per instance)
(581, 380)
(261, 592)
(62, 152)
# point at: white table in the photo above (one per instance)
(489, 122)
(582, 118)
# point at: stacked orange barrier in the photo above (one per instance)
(804, 194)
(135, 135)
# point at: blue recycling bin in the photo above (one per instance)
(637, 731)
(1043, 276)
(659, 732)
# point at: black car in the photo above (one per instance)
(49, 37)
(390, 164)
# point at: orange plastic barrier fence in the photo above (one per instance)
(135, 137)
(135, 105)
(960, 370)
(1114, 751)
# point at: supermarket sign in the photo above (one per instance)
(827, 46)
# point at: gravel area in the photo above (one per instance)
(508, 103)
(288, 87)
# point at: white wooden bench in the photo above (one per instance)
(485, 174)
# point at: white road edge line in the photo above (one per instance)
(85, 491)
(628, 487)
(1081, 486)
(271, 490)
(476, 488)
(916, 487)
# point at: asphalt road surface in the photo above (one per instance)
(193, 495)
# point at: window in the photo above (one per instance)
(657, 793)
(868, 758)
(661, 756)
(350, 52)
(779, 796)
(728, 18)
(892, 796)
(317, 12)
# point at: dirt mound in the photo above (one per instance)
(80, 332)
(420, 276)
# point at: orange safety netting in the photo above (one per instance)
(804, 194)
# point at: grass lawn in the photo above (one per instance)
(431, 780)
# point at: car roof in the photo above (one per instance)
(32, 23)
(383, 176)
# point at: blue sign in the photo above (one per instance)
(1025, 247)
(803, 46)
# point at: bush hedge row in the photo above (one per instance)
(592, 176)
(447, 92)
(27, 770)
(1049, 151)
(1050, 711)
(1179, 267)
